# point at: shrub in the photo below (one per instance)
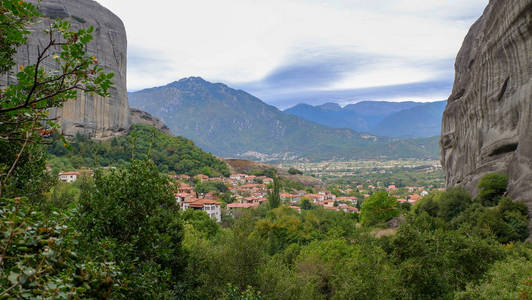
(379, 207)
(492, 188)
(294, 171)
(506, 279)
(452, 202)
(39, 259)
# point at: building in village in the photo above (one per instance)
(211, 207)
(70, 176)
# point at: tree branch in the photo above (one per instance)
(15, 162)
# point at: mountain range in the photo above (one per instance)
(233, 123)
(395, 119)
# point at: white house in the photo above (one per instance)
(69, 176)
(211, 207)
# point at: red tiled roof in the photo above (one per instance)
(182, 194)
(330, 208)
(242, 205)
(414, 197)
(202, 202)
(70, 173)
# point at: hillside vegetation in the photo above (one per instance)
(171, 154)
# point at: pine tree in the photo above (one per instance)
(274, 198)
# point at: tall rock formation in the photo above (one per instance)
(91, 115)
(487, 124)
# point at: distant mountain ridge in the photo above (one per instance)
(395, 119)
(233, 123)
(420, 121)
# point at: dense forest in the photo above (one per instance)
(171, 154)
(121, 234)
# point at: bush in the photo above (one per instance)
(294, 171)
(433, 262)
(506, 279)
(201, 221)
(492, 188)
(452, 202)
(428, 204)
(507, 222)
(39, 259)
(379, 207)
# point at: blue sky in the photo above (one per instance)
(292, 51)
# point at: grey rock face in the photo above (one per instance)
(91, 115)
(487, 124)
(141, 117)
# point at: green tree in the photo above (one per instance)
(133, 213)
(377, 208)
(306, 203)
(294, 171)
(452, 202)
(274, 197)
(432, 262)
(428, 204)
(492, 188)
(506, 279)
(201, 222)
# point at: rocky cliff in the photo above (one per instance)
(141, 117)
(92, 115)
(487, 124)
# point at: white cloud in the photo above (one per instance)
(240, 41)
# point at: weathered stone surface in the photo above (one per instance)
(91, 115)
(141, 117)
(487, 125)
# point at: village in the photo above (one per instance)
(226, 195)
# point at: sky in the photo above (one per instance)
(300, 51)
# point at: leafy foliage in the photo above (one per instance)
(171, 154)
(27, 177)
(294, 171)
(38, 257)
(506, 222)
(133, 214)
(13, 28)
(274, 198)
(378, 208)
(492, 188)
(201, 222)
(506, 279)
